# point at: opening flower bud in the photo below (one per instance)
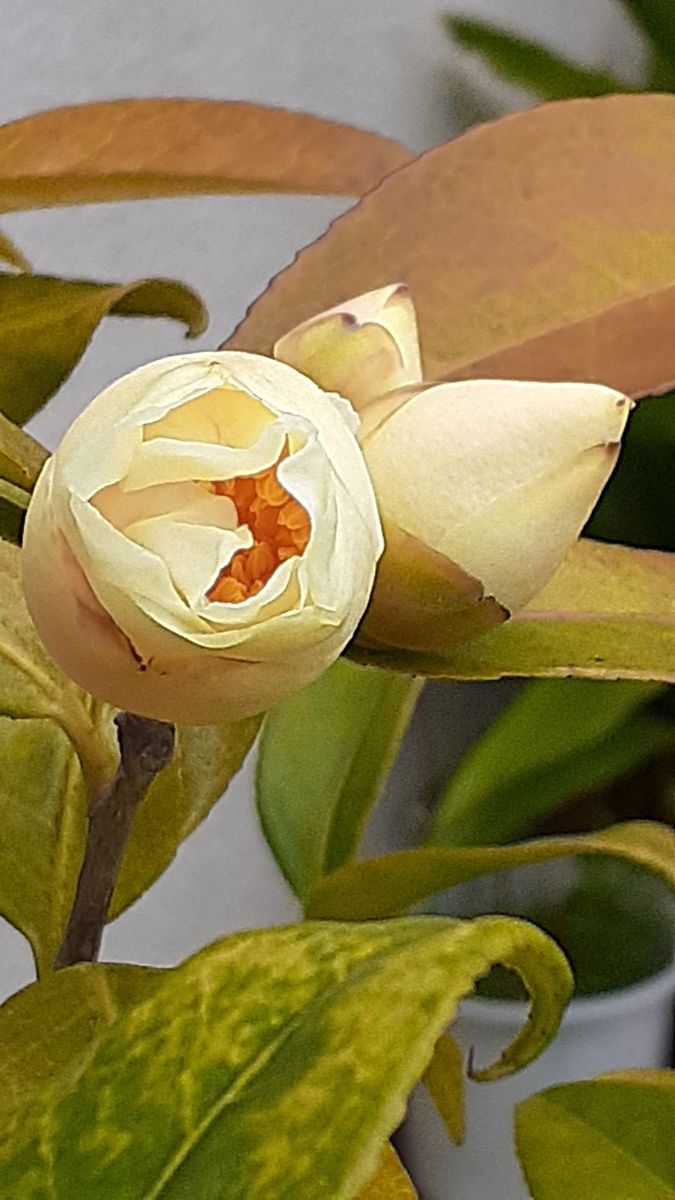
(204, 540)
(360, 349)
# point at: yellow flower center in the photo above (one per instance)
(280, 526)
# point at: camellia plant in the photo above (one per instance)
(213, 536)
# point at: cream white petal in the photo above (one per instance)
(125, 519)
(194, 554)
(517, 544)
(453, 449)
(164, 460)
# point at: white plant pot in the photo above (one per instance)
(632, 1027)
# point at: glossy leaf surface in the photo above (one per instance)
(601, 1139)
(273, 1063)
(324, 756)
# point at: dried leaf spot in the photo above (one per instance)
(280, 526)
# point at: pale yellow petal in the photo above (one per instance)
(361, 348)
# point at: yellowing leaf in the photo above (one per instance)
(444, 1081)
(272, 1062)
(21, 457)
(390, 1182)
(49, 1025)
(541, 246)
(63, 746)
(609, 613)
(392, 884)
(130, 149)
(30, 683)
(46, 325)
(602, 1139)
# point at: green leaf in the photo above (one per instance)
(608, 613)
(602, 1139)
(43, 801)
(656, 18)
(50, 1025)
(324, 756)
(615, 925)
(274, 1063)
(444, 1081)
(661, 75)
(21, 457)
(558, 738)
(11, 255)
(134, 149)
(392, 884)
(47, 323)
(63, 748)
(530, 65)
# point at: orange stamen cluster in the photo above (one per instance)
(280, 527)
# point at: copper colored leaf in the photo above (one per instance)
(539, 246)
(609, 613)
(130, 149)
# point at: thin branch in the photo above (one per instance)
(146, 747)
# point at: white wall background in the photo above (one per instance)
(380, 64)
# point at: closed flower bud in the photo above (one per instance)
(204, 540)
(482, 486)
(495, 477)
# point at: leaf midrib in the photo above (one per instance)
(261, 1060)
(618, 1149)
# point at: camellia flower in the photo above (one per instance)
(205, 538)
(482, 485)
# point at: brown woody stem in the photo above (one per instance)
(146, 747)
